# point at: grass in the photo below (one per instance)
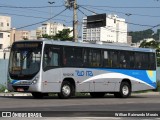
(2, 88)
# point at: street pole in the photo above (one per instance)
(75, 22)
(128, 14)
(50, 2)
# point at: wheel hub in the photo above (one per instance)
(66, 90)
(125, 90)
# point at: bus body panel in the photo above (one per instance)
(89, 80)
(86, 78)
(51, 80)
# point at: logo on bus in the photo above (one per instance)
(83, 73)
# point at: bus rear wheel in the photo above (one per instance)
(66, 90)
(37, 95)
(97, 94)
(125, 90)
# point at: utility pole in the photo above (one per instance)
(73, 4)
(75, 22)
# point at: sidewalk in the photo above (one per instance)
(15, 94)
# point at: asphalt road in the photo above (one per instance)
(137, 102)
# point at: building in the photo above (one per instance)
(32, 35)
(129, 40)
(5, 26)
(114, 31)
(71, 29)
(39, 32)
(52, 28)
(17, 35)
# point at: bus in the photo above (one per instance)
(46, 66)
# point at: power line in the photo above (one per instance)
(142, 15)
(119, 20)
(40, 11)
(135, 7)
(103, 27)
(34, 17)
(82, 12)
(22, 15)
(40, 21)
(6, 6)
(113, 30)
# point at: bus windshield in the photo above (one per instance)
(25, 60)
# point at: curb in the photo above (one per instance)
(15, 94)
(147, 93)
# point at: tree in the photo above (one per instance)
(63, 35)
(156, 35)
(154, 45)
(140, 35)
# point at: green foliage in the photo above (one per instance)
(155, 45)
(140, 35)
(151, 44)
(61, 35)
(2, 88)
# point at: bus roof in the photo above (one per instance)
(95, 45)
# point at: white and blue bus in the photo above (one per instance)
(47, 66)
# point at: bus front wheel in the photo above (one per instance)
(66, 90)
(125, 90)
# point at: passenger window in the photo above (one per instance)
(51, 57)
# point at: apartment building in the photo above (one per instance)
(52, 28)
(5, 25)
(114, 31)
(17, 35)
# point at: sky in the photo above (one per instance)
(144, 13)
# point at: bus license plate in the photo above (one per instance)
(20, 89)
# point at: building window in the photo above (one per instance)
(1, 24)
(7, 24)
(1, 35)
(1, 45)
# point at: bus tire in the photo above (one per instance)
(66, 90)
(37, 95)
(97, 94)
(125, 90)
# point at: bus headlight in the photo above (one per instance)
(35, 80)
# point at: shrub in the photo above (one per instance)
(2, 88)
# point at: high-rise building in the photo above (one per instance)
(114, 31)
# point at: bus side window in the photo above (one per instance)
(85, 57)
(152, 65)
(51, 57)
(106, 62)
(78, 57)
(113, 56)
(122, 58)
